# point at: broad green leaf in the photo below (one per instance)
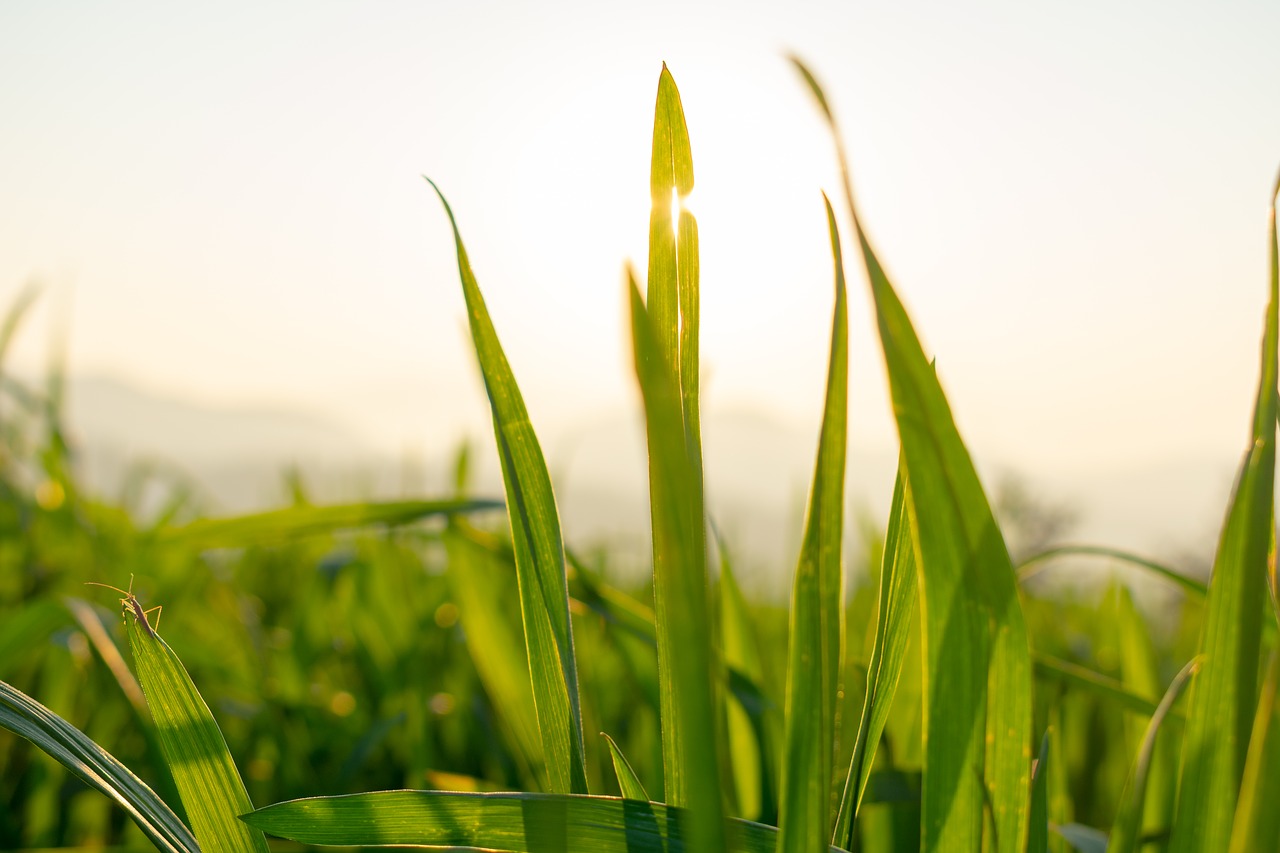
(554, 823)
(539, 549)
(1224, 695)
(628, 781)
(1257, 819)
(978, 664)
(73, 749)
(686, 662)
(1126, 832)
(1038, 829)
(1036, 563)
(897, 601)
(283, 524)
(212, 792)
(816, 627)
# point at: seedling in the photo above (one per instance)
(130, 604)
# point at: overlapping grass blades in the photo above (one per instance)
(212, 792)
(897, 601)
(542, 823)
(977, 661)
(24, 716)
(816, 627)
(687, 672)
(539, 549)
(1224, 694)
(1257, 820)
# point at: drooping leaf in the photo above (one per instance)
(539, 548)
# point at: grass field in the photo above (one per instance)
(450, 672)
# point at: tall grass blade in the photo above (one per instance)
(73, 749)
(1038, 830)
(978, 666)
(539, 549)
(290, 523)
(1126, 833)
(1225, 693)
(686, 663)
(212, 792)
(1257, 818)
(893, 628)
(517, 822)
(816, 627)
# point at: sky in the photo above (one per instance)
(224, 202)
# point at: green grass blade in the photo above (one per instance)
(1050, 668)
(1225, 693)
(978, 663)
(554, 823)
(628, 781)
(893, 629)
(686, 663)
(212, 792)
(1126, 831)
(1257, 820)
(73, 749)
(539, 549)
(670, 172)
(284, 524)
(816, 626)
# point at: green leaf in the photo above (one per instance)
(816, 627)
(628, 781)
(284, 524)
(1036, 563)
(73, 749)
(1038, 829)
(1257, 820)
(554, 823)
(539, 549)
(1126, 832)
(893, 629)
(686, 663)
(1225, 693)
(978, 663)
(1050, 668)
(211, 789)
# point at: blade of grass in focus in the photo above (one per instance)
(628, 781)
(212, 792)
(282, 524)
(1257, 818)
(685, 650)
(537, 822)
(978, 663)
(816, 626)
(539, 549)
(1225, 692)
(74, 750)
(893, 628)
(1126, 831)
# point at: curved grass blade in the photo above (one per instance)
(284, 524)
(212, 792)
(1127, 830)
(1225, 694)
(686, 664)
(978, 664)
(628, 781)
(893, 629)
(1257, 820)
(26, 717)
(1037, 563)
(1065, 672)
(539, 549)
(816, 627)
(517, 822)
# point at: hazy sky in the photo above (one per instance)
(225, 201)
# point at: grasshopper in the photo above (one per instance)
(130, 604)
